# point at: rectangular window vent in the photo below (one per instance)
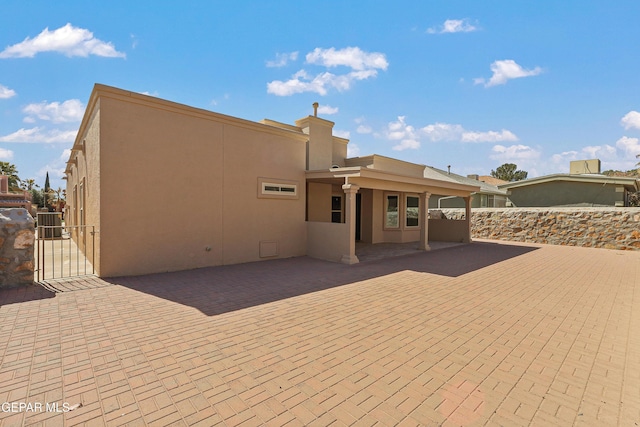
(270, 188)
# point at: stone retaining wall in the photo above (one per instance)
(610, 228)
(17, 238)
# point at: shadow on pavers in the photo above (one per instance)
(217, 290)
(20, 294)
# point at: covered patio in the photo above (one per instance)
(376, 199)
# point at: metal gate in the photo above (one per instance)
(63, 250)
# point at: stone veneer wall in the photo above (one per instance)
(610, 228)
(17, 238)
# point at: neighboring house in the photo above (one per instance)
(583, 186)
(11, 199)
(488, 196)
(491, 180)
(172, 187)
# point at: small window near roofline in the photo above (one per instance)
(269, 188)
(274, 188)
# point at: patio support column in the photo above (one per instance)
(424, 221)
(467, 217)
(350, 191)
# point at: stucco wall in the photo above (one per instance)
(319, 202)
(561, 193)
(178, 188)
(447, 230)
(611, 228)
(16, 247)
(327, 240)
(86, 177)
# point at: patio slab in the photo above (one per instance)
(489, 333)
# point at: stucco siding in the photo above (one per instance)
(327, 240)
(86, 179)
(565, 193)
(319, 202)
(249, 154)
(180, 191)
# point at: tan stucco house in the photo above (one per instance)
(171, 187)
(488, 196)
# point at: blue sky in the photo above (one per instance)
(463, 83)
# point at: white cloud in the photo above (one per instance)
(620, 157)
(410, 137)
(562, 160)
(55, 167)
(282, 59)
(490, 136)
(134, 41)
(38, 134)
(68, 40)
(442, 132)
(631, 120)
(155, 93)
(71, 110)
(327, 109)
(408, 143)
(364, 129)
(353, 150)
(514, 152)
(302, 82)
(404, 133)
(6, 93)
(602, 152)
(505, 70)
(352, 57)
(342, 133)
(364, 65)
(453, 26)
(630, 146)
(5, 154)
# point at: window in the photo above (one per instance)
(269, 188)
(273, 188)
(391, 219)
(75, 205)
(336, 209)
(82, 218)
(412, 217)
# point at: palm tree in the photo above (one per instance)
(10, 171)
(30, 184)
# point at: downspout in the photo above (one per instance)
(447, 197)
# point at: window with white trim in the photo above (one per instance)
(276, 188)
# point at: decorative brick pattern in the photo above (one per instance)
(483, 334)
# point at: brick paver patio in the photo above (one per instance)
(483, 334)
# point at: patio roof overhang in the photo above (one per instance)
(388, 181)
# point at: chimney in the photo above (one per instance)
(315, 109)
(4, 184)
(449, 170)
(579, 167)
(474, 176)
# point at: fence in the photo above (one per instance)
(62, 250)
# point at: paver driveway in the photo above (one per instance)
(483, 334)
